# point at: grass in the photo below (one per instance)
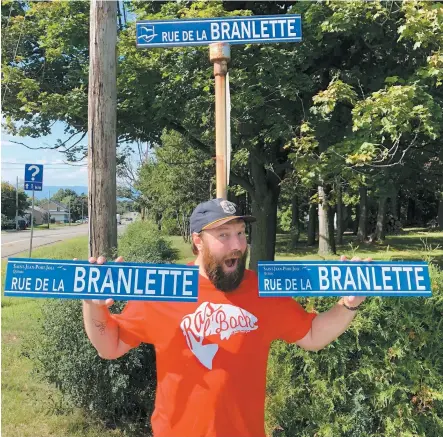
(412, 244)
(33, 408)
(30, 406)
(54, 226)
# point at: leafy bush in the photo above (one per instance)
(121, 392)
(284, 219)
(382, 378)
(169, 226)
(143, 242)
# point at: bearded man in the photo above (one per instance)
(212, 354)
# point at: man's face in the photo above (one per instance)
(224, 252)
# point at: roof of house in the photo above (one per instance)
(36, 208)
(56, 203)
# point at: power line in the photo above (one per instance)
(51, 168)
(58, 165)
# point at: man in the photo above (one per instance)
(212, 354)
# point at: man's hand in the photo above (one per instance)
(102, 330)
(100, 302)
(353, 301)
(327, 326)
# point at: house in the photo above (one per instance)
(40, 215)
(58, 211)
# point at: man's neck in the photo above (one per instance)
(199, 262)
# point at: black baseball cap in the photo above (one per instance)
(214, 213)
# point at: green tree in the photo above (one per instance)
(175, 181)
(62, 194)
(9, 201)
(79, 207)
(273, 88)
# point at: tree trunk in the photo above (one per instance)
(264, 209)
(326, 242)
(410, 213)
(363, 219)
(380, 228)
(102, 122)
(395, 210)
(158, 220)
(440, 212)
(355, 222)
(331, 214)
(295, 224)
(312, 223)
(339, 214)
(263, 243)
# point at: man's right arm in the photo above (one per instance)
(103, 331)
(101, 328)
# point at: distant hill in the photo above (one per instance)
(52, 189)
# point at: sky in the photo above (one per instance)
(55, 172)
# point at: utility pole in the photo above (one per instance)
(32, 222)
(102, 121)
(49, 199)
(69, 211)
(220, 55)
(16, 206)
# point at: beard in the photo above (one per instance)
(214, 269)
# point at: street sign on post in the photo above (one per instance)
(218, 33)
(257, 29)
(33, 182)
(33, 177)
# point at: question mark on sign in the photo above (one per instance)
(35, 172)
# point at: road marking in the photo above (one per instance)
(40, 245)
(12, 242)
(42, 236)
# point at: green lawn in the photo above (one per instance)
(412, 244)
(32, 408)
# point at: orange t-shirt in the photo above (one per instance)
(212, 356)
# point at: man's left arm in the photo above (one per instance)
(329, 325)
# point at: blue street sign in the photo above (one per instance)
(232, 30)
(82, 280)
(36, 186)
(34, 177)
(342, 278)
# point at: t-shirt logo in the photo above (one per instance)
(209, 319)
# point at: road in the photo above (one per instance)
(14, 243)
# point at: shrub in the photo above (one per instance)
(383, 377)
(169, 226)
(143, 242)
(121, 392)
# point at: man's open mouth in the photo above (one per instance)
(231, 262)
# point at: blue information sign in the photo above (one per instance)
(82, 280)
(343, 278)
(34, 177)
(232, 30)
